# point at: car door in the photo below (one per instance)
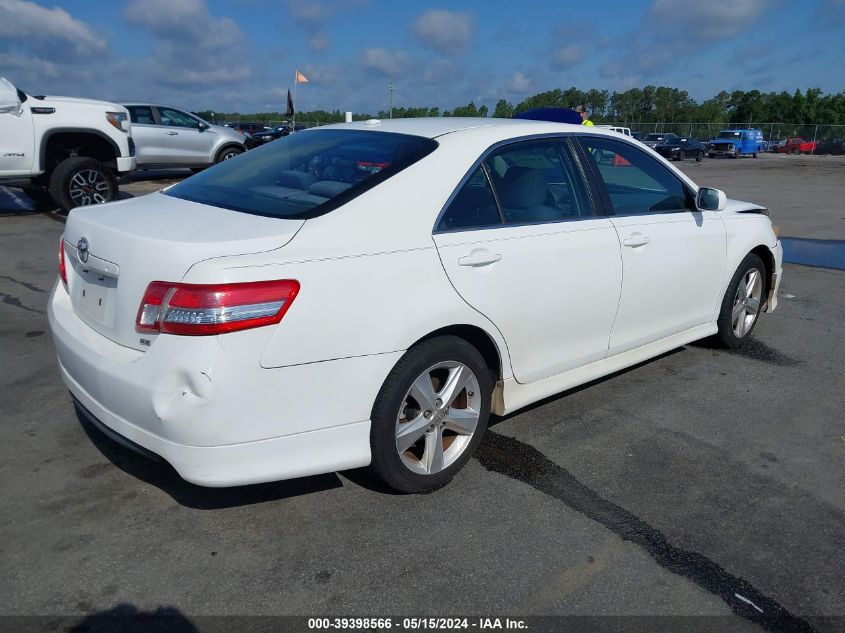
(188, 143)
(673, 255)
(523, 244)
(150, 138)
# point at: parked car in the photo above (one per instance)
(247, 127)
(637, 136)
(615, 128)
(169, 137)
(274, 133)
(681, 148)
(831, 146)
(736, 143)
(658, 137)
(63, 151)
(287, 313)
(796, 145)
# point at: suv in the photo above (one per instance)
(61, 149)
(169, 137)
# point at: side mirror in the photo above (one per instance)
(711, 199)
(202, 126)
(9, 100)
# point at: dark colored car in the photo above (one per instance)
(265, 136)
(831, 146)
(681, 148)
(247, 127)
(639, 136)
(658, 137)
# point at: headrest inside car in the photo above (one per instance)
(523, 187)
(295, 179)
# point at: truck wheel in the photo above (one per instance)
(796, 151)
(710, 155)
(754, 155)
(82, 181)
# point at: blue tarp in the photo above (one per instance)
(558, 115)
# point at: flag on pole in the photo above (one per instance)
(289, 111)
(300, 78)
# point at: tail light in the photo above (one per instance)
(62, 267)
(204, 309)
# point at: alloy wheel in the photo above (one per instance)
(746, 307)
(438, 417)
(88, 186)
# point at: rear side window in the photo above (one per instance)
(304, 175)
(534, 182)
(636, 183)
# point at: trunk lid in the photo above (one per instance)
(114, 251)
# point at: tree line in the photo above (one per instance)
(637, 106)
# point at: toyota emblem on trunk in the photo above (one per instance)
(82, 250)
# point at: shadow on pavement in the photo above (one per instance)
(163, 476)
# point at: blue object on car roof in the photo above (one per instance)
(558, 115)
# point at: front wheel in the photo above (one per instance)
(742, 303)
(228, 153)
(82, 181)
(430, 414)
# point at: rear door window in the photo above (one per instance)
(306, 174)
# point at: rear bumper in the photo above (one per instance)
(205, 405)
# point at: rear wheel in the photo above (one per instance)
(742, 303)
(682, 155)
(430, 414)
(796, 151)
(699, 156)
(81, 181)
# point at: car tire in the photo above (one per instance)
(754, 155)
(710, 155)
(228, 153)
(742, 303)
(796, 152)
(82, 181)
(414, 411)
(699, 157)
(682, 155)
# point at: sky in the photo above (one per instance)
(241, 55)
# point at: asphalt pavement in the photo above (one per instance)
(701, 483)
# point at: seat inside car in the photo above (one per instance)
(524, 195)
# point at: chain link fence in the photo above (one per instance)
(830, 139)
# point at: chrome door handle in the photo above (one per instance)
(479, 258)
(637, 239)
(171, 133)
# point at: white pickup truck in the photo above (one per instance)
(61, 149)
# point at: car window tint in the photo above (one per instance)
(473, 206)
(305, 175)
(175, 118)
(142, 115)
(537, 182)
(636, 183)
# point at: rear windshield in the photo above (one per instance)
(305, 174)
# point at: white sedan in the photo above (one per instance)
(369, 293)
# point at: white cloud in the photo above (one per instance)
(714, 19)
(520, 84)
(447, 32)
(385, 62)
(47, 31)
(567, 56)
(191, 46)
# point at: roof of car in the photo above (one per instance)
(439, 126)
